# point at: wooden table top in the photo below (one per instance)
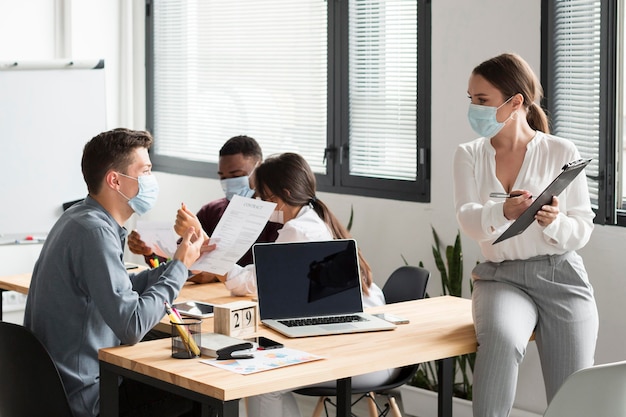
(440, 327)
(18, 282)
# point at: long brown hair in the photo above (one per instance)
(510, 74)
(289, 177)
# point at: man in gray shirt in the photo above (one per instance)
(81, 297)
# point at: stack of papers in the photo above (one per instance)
(264, 360)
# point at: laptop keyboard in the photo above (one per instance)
(312, 321)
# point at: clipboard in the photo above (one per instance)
(570, 171)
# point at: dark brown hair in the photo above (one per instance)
(244, 145)
(111, 150)
(289, 177)
(510, 74)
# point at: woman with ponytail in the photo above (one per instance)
(535, 281)
(288, 181)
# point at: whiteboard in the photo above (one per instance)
(47, 114)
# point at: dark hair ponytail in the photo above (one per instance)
(510, 74)
(290, 177)
(537, 118)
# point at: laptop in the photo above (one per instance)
(312, 288)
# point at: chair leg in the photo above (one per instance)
(395, 411)
(317, 412)
(371, 404)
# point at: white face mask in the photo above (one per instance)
(147, 195)
(483, 119)
(237, 186)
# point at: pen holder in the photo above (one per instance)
(186, 338)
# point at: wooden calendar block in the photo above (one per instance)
(236, 319)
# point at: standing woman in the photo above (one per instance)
(534, 281)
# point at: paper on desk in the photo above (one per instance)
(264, 360)
(160, 236)
(238, 229)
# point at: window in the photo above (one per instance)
(344, 83)
(582, 73)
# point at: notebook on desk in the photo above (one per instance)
(312, 288)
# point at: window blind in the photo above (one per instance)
(228, 67)
(383, 88)
(576, 80)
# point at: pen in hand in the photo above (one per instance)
(503, 195)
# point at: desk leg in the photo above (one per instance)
(109, 393)
(445, 375)
(344, 397)
(1, 292)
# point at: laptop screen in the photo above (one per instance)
(303, 279)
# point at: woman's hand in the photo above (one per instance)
(515, 206)
(548, 213)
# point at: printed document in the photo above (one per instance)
(264, 360)
(160, 236)
(238, 229)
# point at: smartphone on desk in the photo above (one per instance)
(392, 318)
(197, 309)
(265, 343)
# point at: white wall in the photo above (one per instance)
(464, 34)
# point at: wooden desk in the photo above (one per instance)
(439, 329)
(19, 283)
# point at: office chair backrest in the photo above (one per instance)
(598, 391)
(31, 385)
(406, 283)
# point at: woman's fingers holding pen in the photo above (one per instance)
(548, 213)
(515, 205)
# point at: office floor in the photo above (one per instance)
(307, 405)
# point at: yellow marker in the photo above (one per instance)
(184, 334)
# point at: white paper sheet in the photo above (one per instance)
(160, 236)
(238, 229)
(264, 360)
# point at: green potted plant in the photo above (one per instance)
(450, 267)
(449, 263)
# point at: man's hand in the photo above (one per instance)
(138, 246)
(188, 251)
(186, 219)
(202, 277)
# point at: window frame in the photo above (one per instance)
(606, 212)
(337, 179)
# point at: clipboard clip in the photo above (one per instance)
(576, 163)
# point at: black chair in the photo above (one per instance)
(404, 284)
(31, 384)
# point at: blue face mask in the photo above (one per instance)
(237, 186)
(147, 195)
(483, 119)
